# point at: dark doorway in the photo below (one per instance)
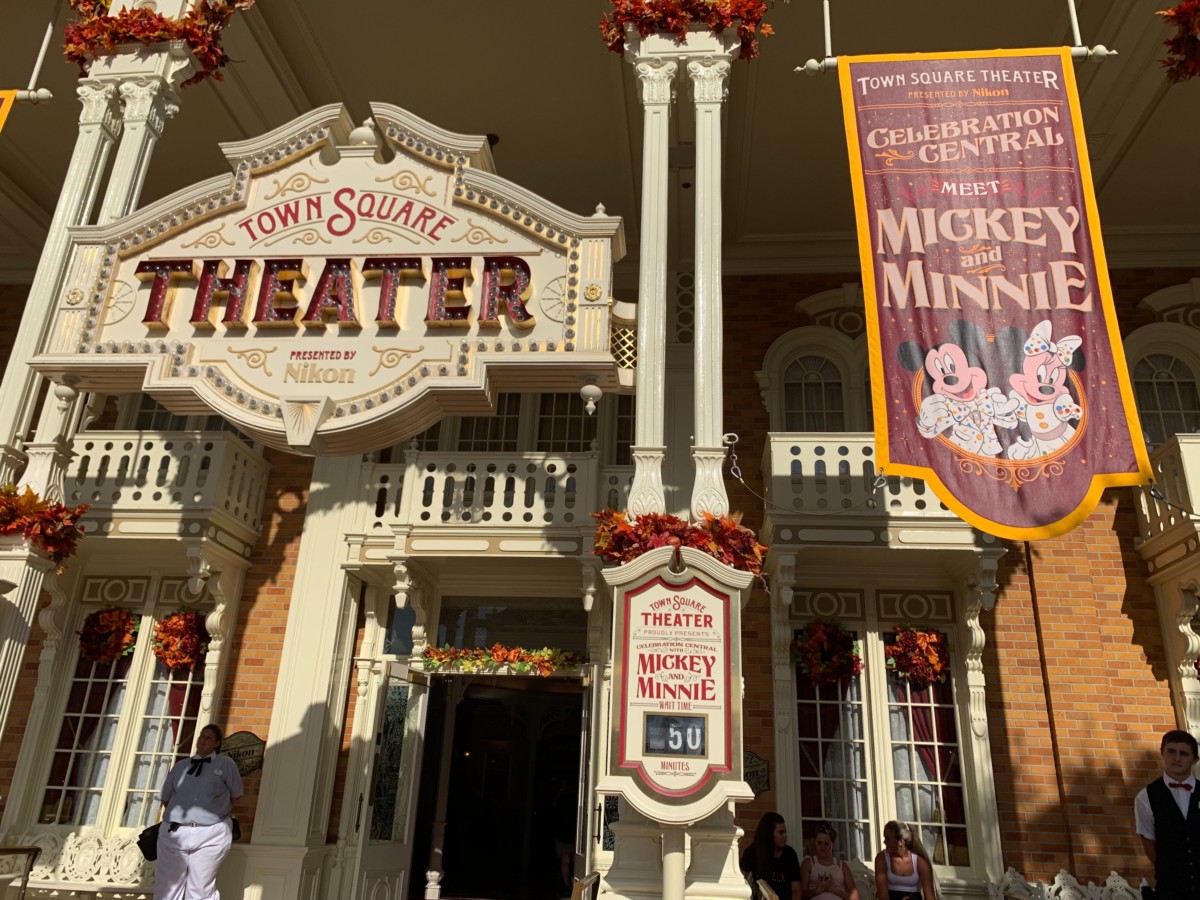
(514, 777)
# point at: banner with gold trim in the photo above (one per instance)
(7, 99)
(997, 370)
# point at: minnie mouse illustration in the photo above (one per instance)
(1044, 403)
(961, 402)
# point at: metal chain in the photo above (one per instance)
(730, 439)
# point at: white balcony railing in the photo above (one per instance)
(168, 472)
(836, 474)
(531, 490)
(1174, 466)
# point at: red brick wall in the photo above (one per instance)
(262, 615)
(1104, 654)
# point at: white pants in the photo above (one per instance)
(188, 859)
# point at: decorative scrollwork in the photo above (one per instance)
(74, 297)
(893, 156)
(307, 237)
(1014, 474)
(408, 180)
(255, 357)
(381, 235)
(477, 234)
(210, 240)
(390, 357)
(297, 184)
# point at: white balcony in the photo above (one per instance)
(1167, 525)
(180, 484)
(821, 490)
(547, 497)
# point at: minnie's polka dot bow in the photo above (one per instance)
(1039, 342)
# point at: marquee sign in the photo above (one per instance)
(342, 290)
(677, 738)
(996, 364)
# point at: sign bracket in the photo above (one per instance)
(34, 94)
(1079, 50)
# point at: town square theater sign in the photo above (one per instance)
(342, 290)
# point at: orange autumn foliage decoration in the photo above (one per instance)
(1183, 49)
(97, 33)
(618, 540)
(51, 527)
(676, 16)
(107, 634)
(921, 657)
(180, 640)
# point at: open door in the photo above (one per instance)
(590, 804)
(385, 822)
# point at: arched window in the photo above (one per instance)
(813, 398)
(1167, 399)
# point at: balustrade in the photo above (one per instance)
(179, 472)
(837, 474)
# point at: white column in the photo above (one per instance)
(99, 126)
(149, 101)
(290, 800)
(656, 77)
(22, 571)
(708, 78)
(636, 871)
(674, 871)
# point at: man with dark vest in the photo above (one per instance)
(1168, 819)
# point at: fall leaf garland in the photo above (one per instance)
(1183, 56)
(545, 661)
(108, 634)
(921, 657)
(619, 540)
(97, 33)
(826, 652)
(676, 16)
(51, 527)
(181, 640)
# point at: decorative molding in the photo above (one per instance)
(589, 571)
(657, 80)
(100, 107)
(149, 100)
(646, 494)
(710, 79)
(708, 490)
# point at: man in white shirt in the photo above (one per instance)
(1167, 812)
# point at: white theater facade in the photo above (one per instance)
(357, 395)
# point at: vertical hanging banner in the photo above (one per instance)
(996, 365)
(7, 99)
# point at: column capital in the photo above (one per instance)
(657, 80)
(710, 79)
(150, 100)
(100, 106)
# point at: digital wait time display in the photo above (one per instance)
(676, 735)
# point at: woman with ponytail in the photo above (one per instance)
(902, 868)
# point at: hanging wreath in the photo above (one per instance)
(826, 652)
(108, 634)
(180, 640)
(96, 33)
(1183, 50)
(619, 540)
(51, 527)
(545, 661)
(675, 16)
(920, 657)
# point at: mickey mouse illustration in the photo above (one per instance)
(961, 402)
(1044, 403)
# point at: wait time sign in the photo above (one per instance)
(677, 727)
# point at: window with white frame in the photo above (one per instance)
(123, 725)
(1167, 399)
(815, 379)
(812, 396)
(498, 433)
(873, 748)
(564, 425)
